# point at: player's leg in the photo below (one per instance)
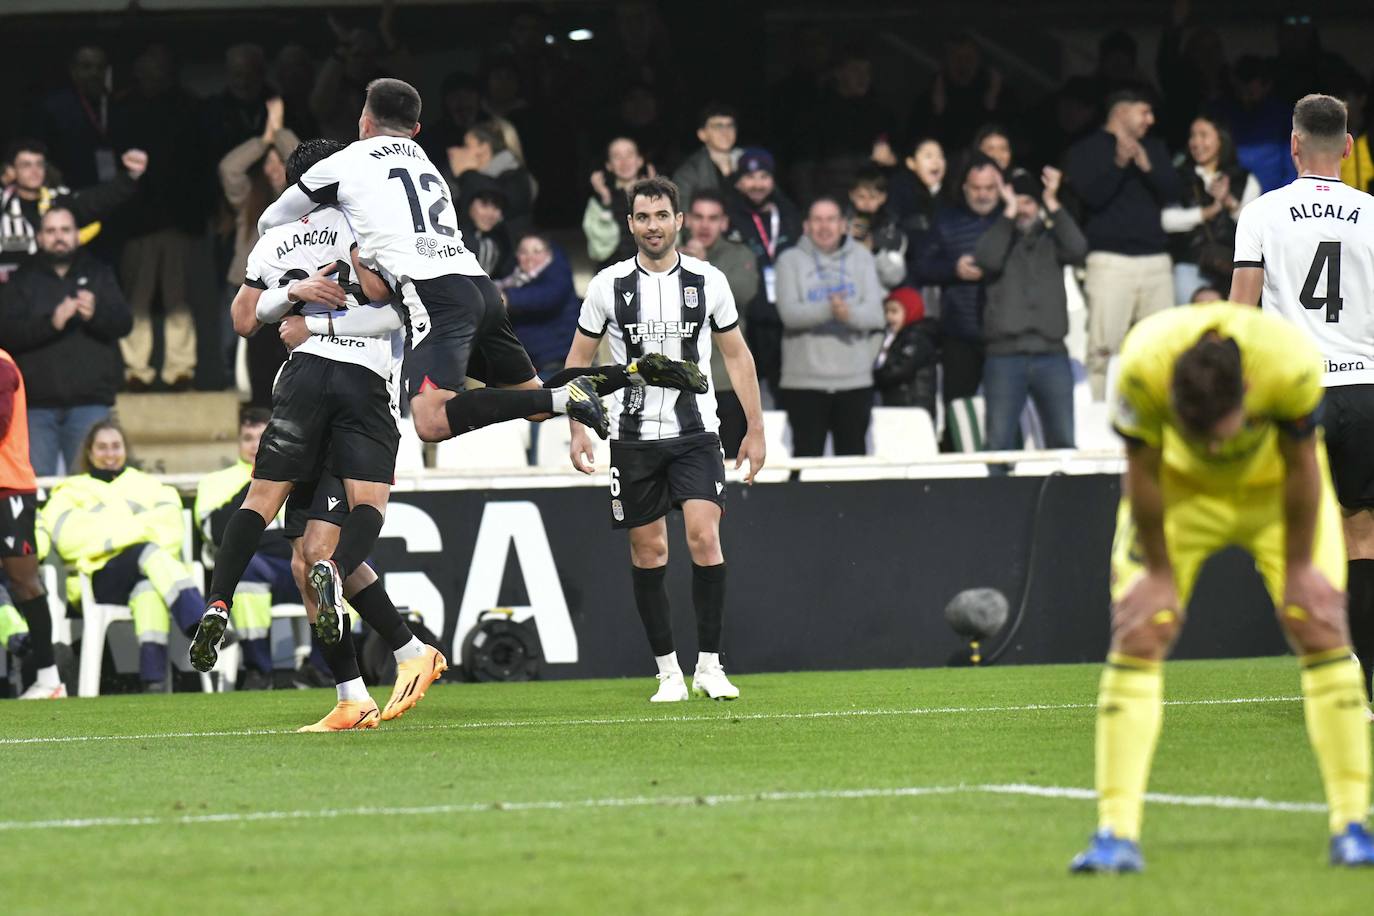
(1334, 702)
(1358, 527)
(30, 598)
(1348, 419)
(696, 482)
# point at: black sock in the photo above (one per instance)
(240, 542)
(357, 536)
(35, 612)
(1360, 608)
(651, 597)
(708, 597)
(340, 657)
(609, 379)
(374, 605)
(484, 406)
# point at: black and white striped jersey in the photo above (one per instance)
(674, 313)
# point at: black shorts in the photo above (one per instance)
(319, 500)
(16, 525)
(458, 328)
(651, 477)
(1348, 416)
(323, 409)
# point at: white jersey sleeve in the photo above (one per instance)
(724, 315)
(597, 309)
(1249, 250)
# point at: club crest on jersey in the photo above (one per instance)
(689, 297)
(658, 331)
(617, 510)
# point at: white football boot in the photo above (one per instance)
(709, 680)
(671, 688)
(44, 692)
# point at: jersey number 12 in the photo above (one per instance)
(428, 182)
(1328, 257)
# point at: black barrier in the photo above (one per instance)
(822, 575)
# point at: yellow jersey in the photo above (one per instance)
(1283, 386)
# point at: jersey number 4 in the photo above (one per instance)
(428, 181)
(1328, 260)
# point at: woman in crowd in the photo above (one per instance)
(1202, 230)
(604, 219)
(541, 301)
(993, 141)
(253, 174)
(904, 373)
(124, 529)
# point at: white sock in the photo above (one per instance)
(667, 664)
(353, 690)
(412, 649)
(707, 660)
(47, 677)
(560, 399)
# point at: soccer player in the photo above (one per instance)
(398, 206)
(665, 451)
(1218, 406)
(1309, 247)
(18, 543)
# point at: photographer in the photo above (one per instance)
(1022, 258)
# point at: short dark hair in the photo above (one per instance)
(654, 188)
(62, 204)
(1128, 95)
(393, 103)
(254, 416)
(708, 195)
(1321, 119)
(870, 176)
(1207, 382)
(492, 197)
(490, 134)
(307, 153)
(25, 145)
(715, 109)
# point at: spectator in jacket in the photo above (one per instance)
(1260, 123)
(238, 113)
(61, 317)
(1022, 258)
(965, 93)
(252, 175)
(766, 221)
(24, 202)
(946, 261)
(873, 226)
(74, 121)
(485, 162)
(830, 303)
(460, 108)
(1202, 228)
(904, 372)
(914, 194)
(123, 528)
(1124, 180)
(485, 234)
(541, 302)
(713, 164)
(707, 223)
(605, 221)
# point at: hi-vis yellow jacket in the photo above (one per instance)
(87, 521)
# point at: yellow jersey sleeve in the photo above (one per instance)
(1141, 407)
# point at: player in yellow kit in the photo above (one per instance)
(1219, 406)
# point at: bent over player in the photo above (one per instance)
(665, 451)
(1218, 406)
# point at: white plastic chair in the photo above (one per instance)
(495, 447)
(903, 434)
(554, 439)
(410, 454)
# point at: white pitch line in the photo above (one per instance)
(648, 720)
(661, 801)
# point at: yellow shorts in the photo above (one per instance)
(1199, 523)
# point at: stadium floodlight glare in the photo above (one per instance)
(580, 35)
(976, 614)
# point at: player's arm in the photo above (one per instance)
(580, 355)
(739, 363)
(375, 288)
(1146, 498)
(9, 384)
(1247, 271)
(366, 321)
(291, 206)
(1302, 488)
(1246, 285)
(244, 310)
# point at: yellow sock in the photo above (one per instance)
(1130, 711)
(1334, 703)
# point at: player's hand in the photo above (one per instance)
(319, 288)
(967, 269)
(1151, 593)
(293, 331)
(581, 450)
(751, 449)
(135, 162)
(1306, 588)
(85, 304)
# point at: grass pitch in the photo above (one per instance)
(852, 792)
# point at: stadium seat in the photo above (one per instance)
(410, 454)
(97, 619)
(903, 434)
(497, 447)
(554, 438)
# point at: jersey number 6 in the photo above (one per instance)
(1329, 257)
